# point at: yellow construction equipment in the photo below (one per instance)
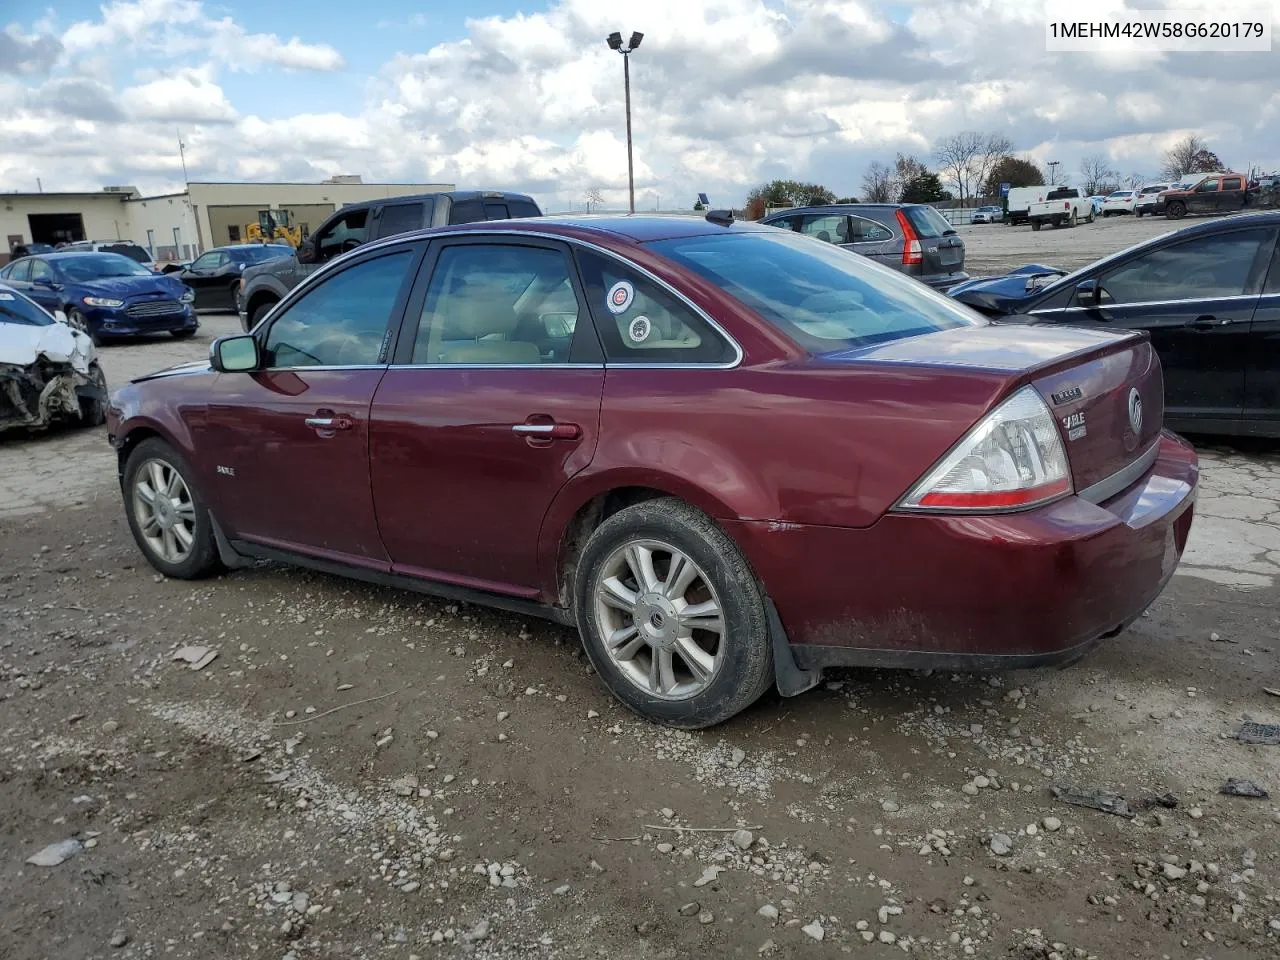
(273, 227)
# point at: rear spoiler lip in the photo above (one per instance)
(1126, 340)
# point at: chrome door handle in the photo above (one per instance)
(537, 429)
(320, 422)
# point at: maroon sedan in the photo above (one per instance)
(730, 455)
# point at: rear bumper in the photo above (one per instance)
(941, 281)
(988, 592)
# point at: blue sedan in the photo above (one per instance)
(105, 294)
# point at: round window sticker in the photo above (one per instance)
(640, 329)
(620, 296)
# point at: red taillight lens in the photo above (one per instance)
(1065, 205)
(911, 252)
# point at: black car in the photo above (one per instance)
(262, 287)
(215, 274)
(1209, 295)
(910, 237)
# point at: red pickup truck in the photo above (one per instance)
(1216, 193)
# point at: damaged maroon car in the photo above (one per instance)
(49, 373)
(730, 455)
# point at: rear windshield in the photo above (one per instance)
(523, 208)
(1120, 195)
(130, 250)
(15, 308)
(824, 298)
(928, 222)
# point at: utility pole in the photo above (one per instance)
(615, 43)
(1053, 171)
(182, 155)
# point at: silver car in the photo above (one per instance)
(910, 237)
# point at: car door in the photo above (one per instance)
(827, 227)
(209, 277)
(290, 441)
(43, 286)
(874, 240)
(1262, 375)
(1231, 195)
(492, 405)
(1196, 298)
(1204, 198)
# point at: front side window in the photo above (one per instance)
(1209, 186)
(821, 297)
(830, 228)
(42, 271)
(343, 321)
(15, 308)
(497, 305)
(1205, 267)
(346, 233)
(210, 261)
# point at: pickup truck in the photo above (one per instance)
(1216, 193)
(1067, 205)
(265, 285)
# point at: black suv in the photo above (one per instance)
(911, 237)
(263, 286)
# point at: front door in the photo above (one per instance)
(1262, 377)
(494, 406)
(208, 277)
(1196, 299)
(291, 440)
(1204, 198)
(44, 287)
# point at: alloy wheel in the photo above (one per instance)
(660, 619)
(164, 510)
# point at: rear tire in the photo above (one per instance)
(1072, 222)
(167, 515)
(639, 574)
(1035, 225)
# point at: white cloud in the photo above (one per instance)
(726, 93)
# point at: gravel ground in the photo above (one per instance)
(366, 773)
(992, 249)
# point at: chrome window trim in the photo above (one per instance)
(319, 366)
(497, 366)
(1146, 303)
(1123, 478)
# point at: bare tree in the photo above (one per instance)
(1097, 173)
(995, 147)
(594, 197)
(1181, 157)
(879, 183)
(957, 157)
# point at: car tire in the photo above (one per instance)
(182, 334)
(93, 412)
(258, 313)
(1072, 221)
(1035, 225)
(1177, 210)
(77, 321)
(664, 668)
(187, 556)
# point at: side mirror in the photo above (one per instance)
(1087, 293)
(234, 354)
(307, 252)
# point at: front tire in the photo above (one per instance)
(671, 615)
(182, 334)
(1177, 210)
(168, 518)
(258, 313)
(1035, 226)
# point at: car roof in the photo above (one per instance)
(843, 208)
(67, 254)
(454, 195)
(248, 246)
(636, 228)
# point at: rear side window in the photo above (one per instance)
(640, 321)
(1217, 266)
(467, 211)
(1273, 275)
(927, 222)
(523, 208)
(1234, 184)
(818, 295)
(868, 231)
(496, 211)
(18, 272)
(828, 227)
(400, 218)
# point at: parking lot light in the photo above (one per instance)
(615, 43)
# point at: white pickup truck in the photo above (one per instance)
(1065, 205)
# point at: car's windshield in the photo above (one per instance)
(15, 308)
(270, 251)
(99, 266)
(824, 298)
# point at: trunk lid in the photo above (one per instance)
(941, 249)
(1086, 378)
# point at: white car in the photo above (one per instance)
(1145, 199)
(988, 215)
(1121, 201)
(48, 371)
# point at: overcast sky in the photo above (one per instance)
(726, 93)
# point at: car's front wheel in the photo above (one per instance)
(1177, 210)
(182, 334)
(169, 520)
(671, 615)
(258, 313)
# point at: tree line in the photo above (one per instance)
(971, 165)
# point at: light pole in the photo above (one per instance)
(615, 43)
(1053, 170)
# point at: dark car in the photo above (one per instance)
(105, 294)
(29, 250)
(912, 238)
(264, 286)
(1217, 193)
(730, 455)
(1208, 295)
(215, 274)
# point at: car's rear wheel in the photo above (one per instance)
(1072, 221)
(671, 615)
(1177, 210)
(1035, 225)
(169, 520)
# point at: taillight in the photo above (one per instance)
(1013, 459)
(911, 252)
(1066, 205)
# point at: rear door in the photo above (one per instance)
(1262, 375)
(1196, 298)
(941, 248)
(492, 405)
(827, 227)
(1231, 195)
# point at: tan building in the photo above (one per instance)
(179, 226)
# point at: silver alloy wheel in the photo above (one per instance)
(76, 321)
(165, 513)
(660, 619)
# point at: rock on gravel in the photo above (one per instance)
(119, 939)
(690, 909)
(769, 912)
(56, 853)
(1001, 845)
(742, 839)
(814, 930)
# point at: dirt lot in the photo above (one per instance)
(993, 248)
(366, 773)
